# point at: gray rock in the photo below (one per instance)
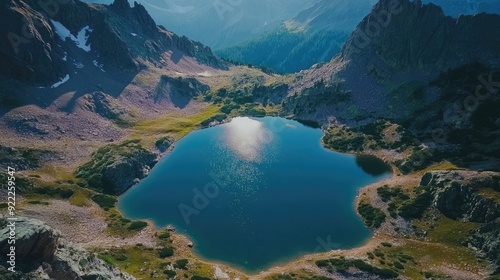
(456, 194)
(123, 172)
(115, 168)
(34, 240)
(44, 254)
(487, 240)
(164, 143)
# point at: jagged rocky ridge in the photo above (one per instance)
(417, 36)
(41, 253)
(457, 194)
(389, 59)
(121, 37)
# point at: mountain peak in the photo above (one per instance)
(122, 5)
(434, 40)
(113, 38)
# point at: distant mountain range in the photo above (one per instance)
(286, 36)
(221, 23)
(314, 35)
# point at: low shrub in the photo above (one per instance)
(373, 217)
(170, 273)
(166, 252)
(163, 235)
(106, 202)
(121, 257)
(181, 264)
(64, 193)
(137, 225)
(416, 208)
(398, 265)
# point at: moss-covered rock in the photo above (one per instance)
(116, 167)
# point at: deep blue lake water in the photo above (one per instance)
(256, 192)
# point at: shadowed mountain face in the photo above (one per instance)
(388, 61)
(48, 43)
(434, 40)
(30, 55)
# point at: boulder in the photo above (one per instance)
(487, 240)
(35, 241)
(42, 253)
(123, 172)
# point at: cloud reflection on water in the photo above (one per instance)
(247, 138)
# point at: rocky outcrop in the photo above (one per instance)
(179, 90)
(487, 240)
(35, 241)
(22, 158)
(41, 253)
(456, 194)
(115, 168)
(102, 104)
(127, 170)
(164, 143)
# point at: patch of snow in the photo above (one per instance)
(79, 65)
(133, 34)
(219, 274)
(100, 66)
(83, 37)
(65, 58)
(80, 39)
(204, 74)
(61, 30)
(65, 79)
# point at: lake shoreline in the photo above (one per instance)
(278, 263)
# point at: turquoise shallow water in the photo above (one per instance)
(256, 192)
